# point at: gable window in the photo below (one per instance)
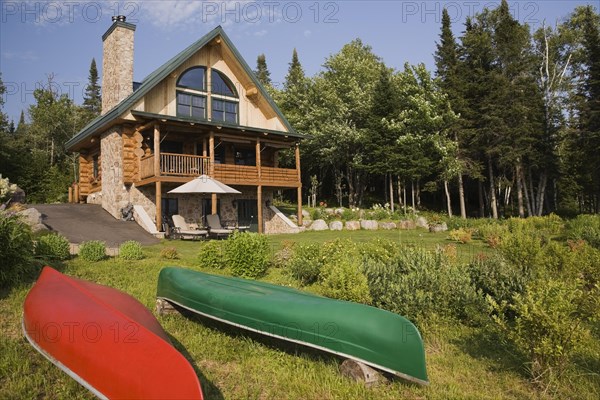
(221, 84)
(191, 93)
(194, 78)
(193, 96)
(224, 110)
(224, 98)
(191, 105)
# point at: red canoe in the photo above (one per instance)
(106, 340)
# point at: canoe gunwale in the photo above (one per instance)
(308, 344)
(62, 366)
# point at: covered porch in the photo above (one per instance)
(167, 152)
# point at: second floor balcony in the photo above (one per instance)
(174, 166)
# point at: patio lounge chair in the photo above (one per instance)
(183, 231)
(215, 228)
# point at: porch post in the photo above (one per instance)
(157, 174)
(259, 208)
(299, 184)
(211, 170)
(156, 150)
(159, 206)
(259, 189)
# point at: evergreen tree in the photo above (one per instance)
(262, 72)
(293, 99)
(92, 100)
(589, 112)
(447, 63)
(3, 117)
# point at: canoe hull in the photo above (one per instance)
(105, 339)
(375, 337)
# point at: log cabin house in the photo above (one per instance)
(202, 112)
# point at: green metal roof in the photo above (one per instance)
(161, 73)
(219, 124)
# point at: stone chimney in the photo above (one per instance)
(117, 63)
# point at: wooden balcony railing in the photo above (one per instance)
(147, 167)
(182, 165)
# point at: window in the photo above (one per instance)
(223, 110)
(191, 105)
(194, 78)
(192, 96)
(221, 84)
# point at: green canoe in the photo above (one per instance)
(375, 337)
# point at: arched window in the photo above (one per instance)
(191, 93)
(193, 78)
(224, 98)
(221, 84)
(192, 96)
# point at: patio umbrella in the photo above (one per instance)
(204, 184)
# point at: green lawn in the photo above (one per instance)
(463, 362)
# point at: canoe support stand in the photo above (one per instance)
(360, 372)
(163, 307)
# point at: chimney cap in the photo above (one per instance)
(120, 18)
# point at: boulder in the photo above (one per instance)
(387, 225)
(305, 214)
(319, 225)
(441, 227)
(336, 226)
(369, 224)
(33, 218)
(352, 225)
(422, 223)
(306, 222)
(338, 211)
(329, 211)
(407, 224)
(30, 216)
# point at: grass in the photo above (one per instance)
(463, 362)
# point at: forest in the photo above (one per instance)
(508, 123)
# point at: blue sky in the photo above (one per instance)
(38, 38)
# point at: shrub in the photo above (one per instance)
(585, 227)
(53, 247)
(169, 253)
(131, 250)
(284, 255)
(351, 214)
(306, 263)
(343, 279)
(379, 212)
(16, 251)
(496, 277)
(492, 233)
(6, 189)
(550, 323)
(461, 235)
(524, 250)
(420, 283)
(93, 250)
(378, 250)
(248, 254)
(211, 254)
